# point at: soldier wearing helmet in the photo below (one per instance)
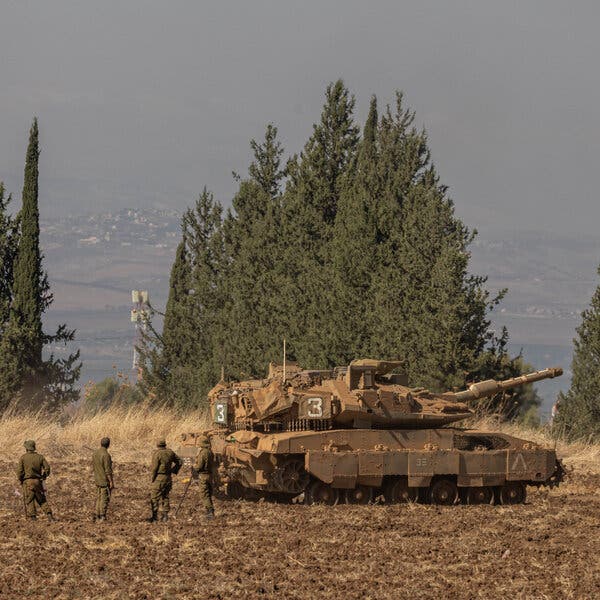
(103, 476)
(204, 466)
(32, 470)
(164, 463)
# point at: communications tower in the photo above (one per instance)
(139, 316)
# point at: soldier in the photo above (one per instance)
(32, 471)
(203, 466)
(164, 462)
(103, 474)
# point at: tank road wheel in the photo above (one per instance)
(293, 478)
(479, 495)
(322, 493)
(444, 492)
(234, 490)
(398, 491)
(512, 492)
(362, 494)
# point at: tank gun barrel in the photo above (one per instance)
(490, 387)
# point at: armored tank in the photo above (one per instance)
(359, 433)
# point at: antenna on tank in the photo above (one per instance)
(222, 373)
(284, 360)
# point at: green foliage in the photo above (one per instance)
(8, 250)
(26, 377)
(579, 409)
(255, 271)
(180, 366)
(353, 249)
(111, 391)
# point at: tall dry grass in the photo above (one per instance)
(134, 431)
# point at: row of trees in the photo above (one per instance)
(578, 415)
(351, 248)
(29, 377)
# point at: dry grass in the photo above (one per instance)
(132, 431)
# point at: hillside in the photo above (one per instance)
(95, 260)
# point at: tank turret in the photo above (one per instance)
(367, 394)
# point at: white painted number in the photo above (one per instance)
(221, 416)
(315, 408)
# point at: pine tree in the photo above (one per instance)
(180, 365)
(579, 409)
(255, 271)
(351, 251)
(308, 217)
(426, 308)
(38, 382)
(176, 324)
(362, 254)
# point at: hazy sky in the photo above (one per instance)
(143, 103)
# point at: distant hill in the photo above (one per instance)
(95, 260)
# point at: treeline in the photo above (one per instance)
(349, 249)
(578, 415)
(30, 377)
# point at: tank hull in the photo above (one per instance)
(369, 463)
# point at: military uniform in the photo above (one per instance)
(164, 463)
(103, 476)
(204, 467)
(32, 470)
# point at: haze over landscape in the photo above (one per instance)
(140, 107)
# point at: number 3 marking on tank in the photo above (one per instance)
(315, 408)
(221, 415)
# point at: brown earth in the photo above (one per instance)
(547, 548)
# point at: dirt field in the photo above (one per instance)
(548, 548)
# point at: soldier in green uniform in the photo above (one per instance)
(103, 475)
(203, 466)
(164, 463)
(32, 470)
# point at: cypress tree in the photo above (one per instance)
(8, 251)
(31, 293)
(26, 375)
(579, 409)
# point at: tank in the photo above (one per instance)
(359, 433)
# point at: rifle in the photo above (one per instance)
(193, 475)
(18, 494)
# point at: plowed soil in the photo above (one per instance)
(547, 548)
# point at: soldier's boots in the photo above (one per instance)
(210, 513)
(51, 517)
(99, 518)
(152, 519)
(31, 517)
(164, 517)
